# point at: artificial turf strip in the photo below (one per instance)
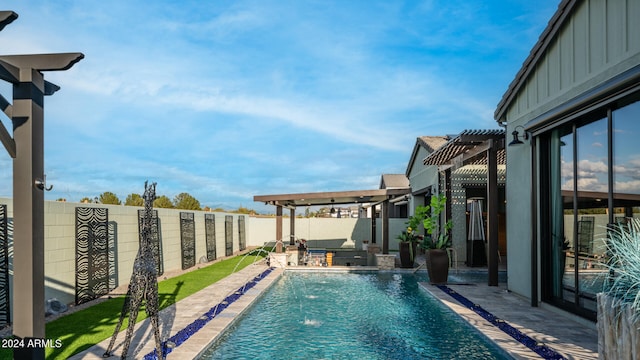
(82, 329)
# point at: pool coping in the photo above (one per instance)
(503, 341)
(562, 343)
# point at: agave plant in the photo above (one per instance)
(623, 248)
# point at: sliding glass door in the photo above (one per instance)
(591, 180)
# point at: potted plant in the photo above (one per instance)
(408, 246)
(436, 241)
(619, 303)
(410, 238)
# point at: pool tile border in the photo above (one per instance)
(541, 349)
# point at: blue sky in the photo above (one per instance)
(230, 99)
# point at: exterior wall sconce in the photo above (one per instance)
(516, 140)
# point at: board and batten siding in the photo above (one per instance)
(595, 40)
(598, 41)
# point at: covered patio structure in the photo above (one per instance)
(368, 198)
(475, 147)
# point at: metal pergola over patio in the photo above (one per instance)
(371, 198)
(476, 147)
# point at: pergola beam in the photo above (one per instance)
(6, 18)
(7, 141)
(331, 197)
(44, 62)
(9, 72)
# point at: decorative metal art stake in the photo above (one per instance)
(143, 284)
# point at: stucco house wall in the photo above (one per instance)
(422, 177)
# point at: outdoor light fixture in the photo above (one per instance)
(332, 208)
(516, 140)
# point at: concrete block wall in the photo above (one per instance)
(60, 242)
(325, 232)
(60, 239)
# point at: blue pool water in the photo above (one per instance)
(350, 316)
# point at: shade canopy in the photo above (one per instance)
(468, 148)
(332, 197)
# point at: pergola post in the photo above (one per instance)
(28, 205)
(292, 226)
(492, 212)
(279, 248)
(27, 149)
(385, 226)
(447, 193)
(373, 224)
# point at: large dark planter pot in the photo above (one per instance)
(405, 255)
(438, 266)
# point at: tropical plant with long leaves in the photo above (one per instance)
(411, 234)
(437, 235)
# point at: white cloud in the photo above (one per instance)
(592, 167)
(627, 187)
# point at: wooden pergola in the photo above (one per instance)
(476, 147)
(371, 198)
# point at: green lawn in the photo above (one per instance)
(82, 329)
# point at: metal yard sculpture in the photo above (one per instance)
(143, 284)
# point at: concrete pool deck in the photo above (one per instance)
(572, 337)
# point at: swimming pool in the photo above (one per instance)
(350, 316)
